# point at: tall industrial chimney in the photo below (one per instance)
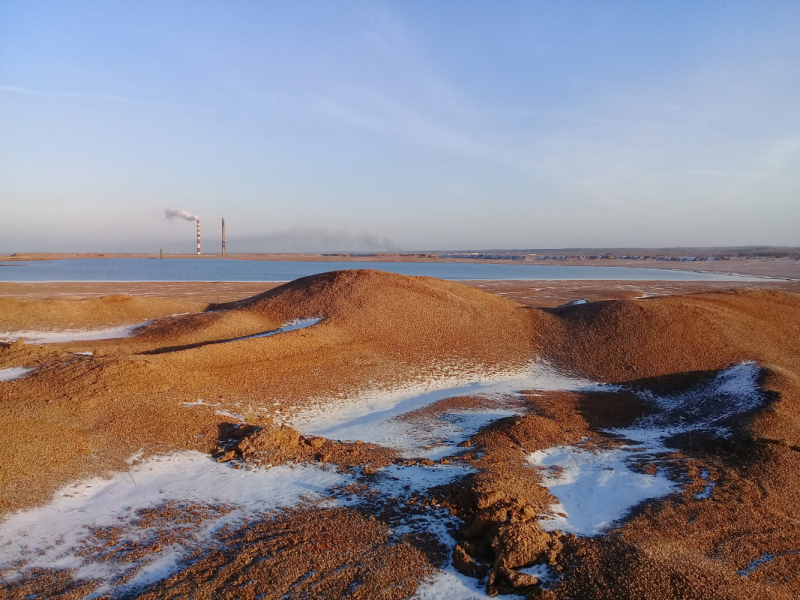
(198, 236)
(223, 236)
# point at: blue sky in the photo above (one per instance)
(398, 125)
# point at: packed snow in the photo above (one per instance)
(52, 536)
(13, 373)
(71, 335)
(595, 488)
(290, 326)
(361, 415)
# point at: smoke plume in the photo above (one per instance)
(171, 215)
(311, 240)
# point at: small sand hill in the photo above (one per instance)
(95, 313)
(632, 340)
(415, 314)
(377, 328)
(628, 340)
(418, 316)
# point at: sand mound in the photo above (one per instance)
(378, 330)
(272, 444)
(627, 340)
(432, 314)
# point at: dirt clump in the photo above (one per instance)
(499, 505)
(15, 346)
(271, 444)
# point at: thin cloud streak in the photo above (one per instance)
(10, 89)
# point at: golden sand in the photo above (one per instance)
(79, 415)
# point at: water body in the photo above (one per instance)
(174, 269)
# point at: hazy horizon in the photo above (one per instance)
(394, 126)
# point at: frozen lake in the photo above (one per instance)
(173, 269)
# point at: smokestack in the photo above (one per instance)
(223, 236)
(198, 236)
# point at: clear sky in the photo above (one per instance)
(322, 125)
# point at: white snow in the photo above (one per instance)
(412, 440)
(374, 416)
(199, 402)
(544, 573)
(595, 488)
(13, 373)
(358, 415)
(52, 535)
(732, 391)
(394, 479)
(754, 564)
(449, 584)
(708, 490)
(290, 326)
(71, 335)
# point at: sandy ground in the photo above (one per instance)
(532, 293)
(444, 490)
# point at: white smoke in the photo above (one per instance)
(171, 214)
(311, 240)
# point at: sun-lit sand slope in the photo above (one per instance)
(701, 421)
(95, 313)
(630, 340)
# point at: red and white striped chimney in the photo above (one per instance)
(198, 236)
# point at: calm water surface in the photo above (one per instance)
(154, 269)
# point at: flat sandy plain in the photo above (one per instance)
(369, 435)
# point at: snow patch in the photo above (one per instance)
(731, 392)
(13, 373)
(448, 584)
(290, 326)
(335, 416)
(71, 335)
(594, 488)
(708, 490)
(754, 564)
(544, 573)
(52, 536)
(199, 402)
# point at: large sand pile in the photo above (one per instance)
(85, 414)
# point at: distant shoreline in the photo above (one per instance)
(780, 268)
